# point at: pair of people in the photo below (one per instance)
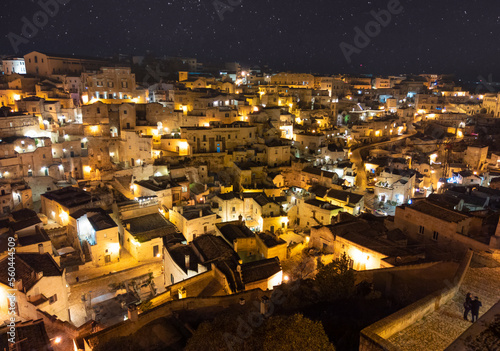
(473, 306)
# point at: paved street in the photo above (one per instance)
(357, 159)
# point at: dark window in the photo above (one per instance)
(435, 236)
(421, 229)
(53, 299)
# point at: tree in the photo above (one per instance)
(295, 333)
(335, 280)
(221, 334)
(278, 333)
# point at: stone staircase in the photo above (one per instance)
(438, 330)
(86, 251)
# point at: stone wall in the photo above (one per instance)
(129, 327)
(374, 337)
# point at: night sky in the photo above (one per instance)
(431, 36)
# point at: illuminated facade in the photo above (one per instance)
(99, 233)
(110, 84)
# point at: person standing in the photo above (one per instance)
(475, 304)
(467, 306)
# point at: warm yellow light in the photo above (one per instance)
(17, 97)
(64, 217)
(94, 129)
(114, 248)
(155, 132)
(57, 340)
(87, 169)
(135, 242)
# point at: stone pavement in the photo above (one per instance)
(127, 262)
(94, 282)
(438, 330)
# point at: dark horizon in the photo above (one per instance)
(420, 37)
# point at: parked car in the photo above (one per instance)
(380, 213)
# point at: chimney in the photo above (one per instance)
(348, 199)
(40, 249)
(181, 210)
(187, 261)
(238, 269)
(201, 213)
(133, 314)
(264, 305)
